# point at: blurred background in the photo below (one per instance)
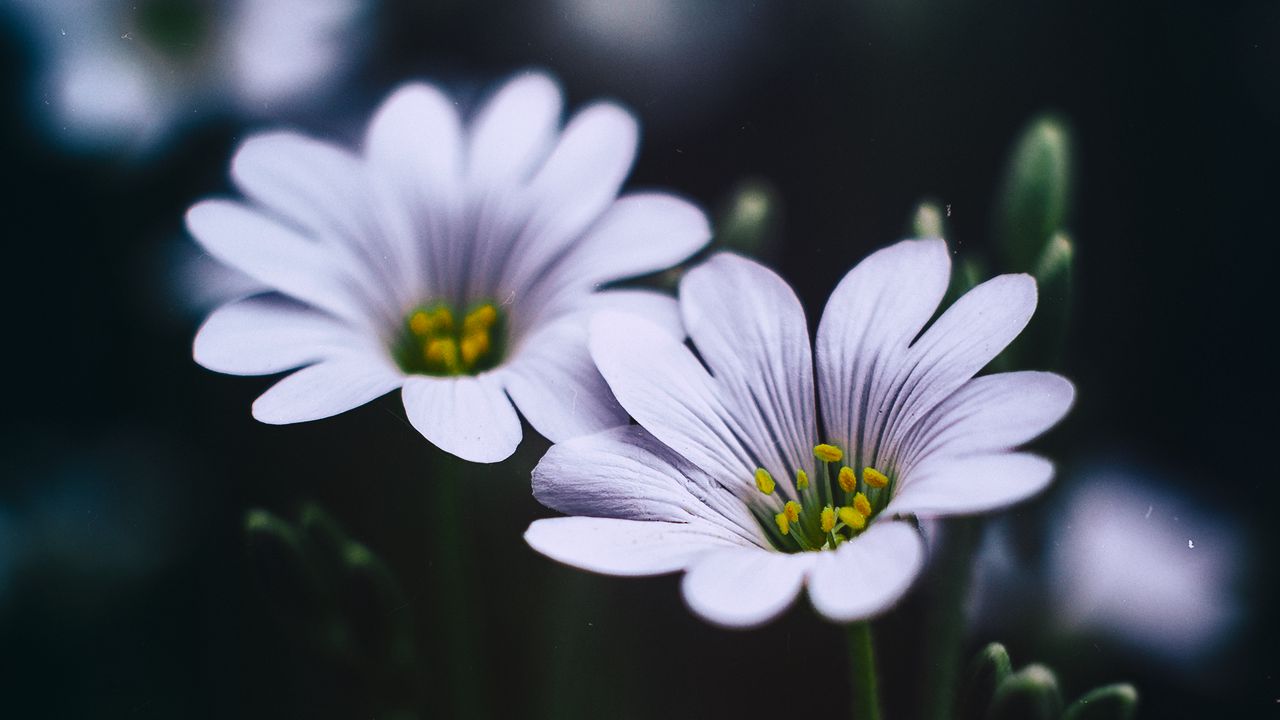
(129, 586)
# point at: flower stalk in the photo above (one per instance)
(862, 669)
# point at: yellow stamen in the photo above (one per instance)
(482, 318)
(442, 353)
(851, 517)
(848, 479)
(828, 453)
(440, 320)
(874, 478)
(792, 510)
(764, 481)
(474, 346)
(784, 525)
(862, 505)
(802, 480)
(828, 519)
(419, 323)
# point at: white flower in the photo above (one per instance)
(458, 263)
(729, 477)
(123, 73)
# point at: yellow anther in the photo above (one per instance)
(482, 318)
(442, 353)
(851, 517)
(474, 345)
(828, 519)
(848, 479)
(440, 320)
(419, 323)
(792, 510)
(874, 478)
(828, 453)
(802, 480)
(784, 525)
(862, 505)
(764, 481)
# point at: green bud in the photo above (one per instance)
(1035, 195)
(928, 222)
(375, 607)
(1029, 694)
(324, 541)
(750, 220)
(986, 671)
(280, 565)
(1110, 702)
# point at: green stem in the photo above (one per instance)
(862, 668)
(454, 595)
(944, 620)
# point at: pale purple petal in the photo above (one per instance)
(744, 587)
(327, 388)
(863, 338)
(622, 547)
(974, 484)
(866, 575)
(557, 387)
(466, 416)
(269, 333)
(514, 131)
(749, 328)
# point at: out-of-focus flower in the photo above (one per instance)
(121, 74)
(1144, 566)
(459, 263)
(727, 475)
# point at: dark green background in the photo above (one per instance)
(144, 606)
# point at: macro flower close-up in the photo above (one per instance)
(735, 477)
(458, 262)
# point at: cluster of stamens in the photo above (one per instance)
(434, 344)
(829, 509)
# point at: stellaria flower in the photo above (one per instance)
(730, 476)
(121, 74)
(460, 264)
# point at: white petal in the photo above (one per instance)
(864, 335)
(514, 130)
(579, 180)
(621, 547)
(309, 182)
(749, 328)
(272, 254)
(415, 150)
(626, 473)
(993, 412)
(325, 389)
(960, 343)
(556, 386)
(270, 333)
(638, 234)
(744, 587)
(979, 483)
(655, 307)
(664, 387)
(867, 575)
(467, 416)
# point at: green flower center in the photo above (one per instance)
(176, 28)
(827, 510)
(432, 343)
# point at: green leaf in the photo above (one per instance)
(1110, 702)
(1029, 694)
(987, 670)
(280, 565)
(751, 219)
(375, 607)
(1035, 196)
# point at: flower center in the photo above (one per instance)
(827, 510)
(175, 28)
(431, 343)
